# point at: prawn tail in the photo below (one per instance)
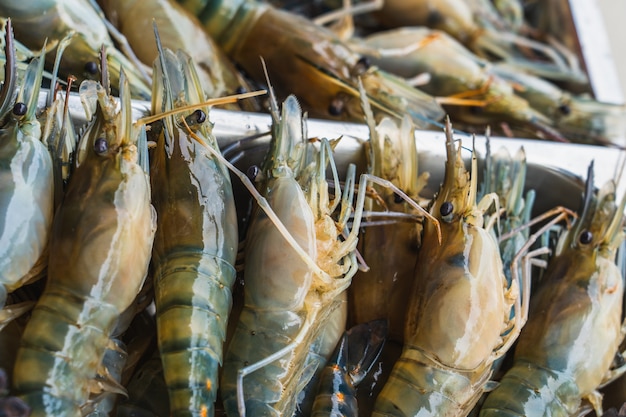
(353, 358)
(192, 292)
(59, 357)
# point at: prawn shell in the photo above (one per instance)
(457, 315)
(458, 311)
(313, 63)
(101, 242)
(576, 310)
(264, 291)
(274, 299)
(585, 305)
(196, 242)
(49, 21)
(179, 29)
(26, 189)
(193, 254)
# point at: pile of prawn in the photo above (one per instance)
(483, 61)
(133, 282)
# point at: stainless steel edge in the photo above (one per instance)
(556, 170)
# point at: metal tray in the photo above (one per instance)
(556, 171)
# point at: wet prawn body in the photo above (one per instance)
(51, 20)
(195, 244)
(470, 23)
(574, 329)
(580, 118)
(376, 293)
(266, 324)
(455, 72)
(179, 30)
(299, 50)
(100, 248)
(287, 301)
(26, 185)
(459, 309)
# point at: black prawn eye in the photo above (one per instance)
(91, 67)
(101, 146)
(196, 118)
(585, 237)
(446, 209)
(240, 90)
(362, 65)
(19, 109)
(253, 172)
(200, 116)
(397, 198)
(336, 107)
(565, 109)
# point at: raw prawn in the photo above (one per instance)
(377, 292)
(196, 240)
(297, 302)
(575, 321)
(100, 249)
(179, 30)
(458, 322)
(353, 358)
(580, 118)
(36, 20)
(464, 20)
(453, 72)
(26, 185)
(309, 61)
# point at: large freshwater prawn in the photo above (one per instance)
(196, 241)
(453, 71)
(35, 21)
(574, 330)
(312, 62)
(100, 248)
(290, 289)
(292, 294)
(26, 181)
(377, 292)
(457, 322)
(179, 29)
(465, 21)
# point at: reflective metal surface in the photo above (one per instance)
(555, 170)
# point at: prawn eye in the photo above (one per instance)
(397, 198)
(200, 116)
(585, 237)
(91, 67)
(253, 172)
(336, 107)
(101, 146)
(434, 18)
(19, 109)
(196, 118)
(240, 90)
(362, 65)
(565, 109)
(446, 209)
